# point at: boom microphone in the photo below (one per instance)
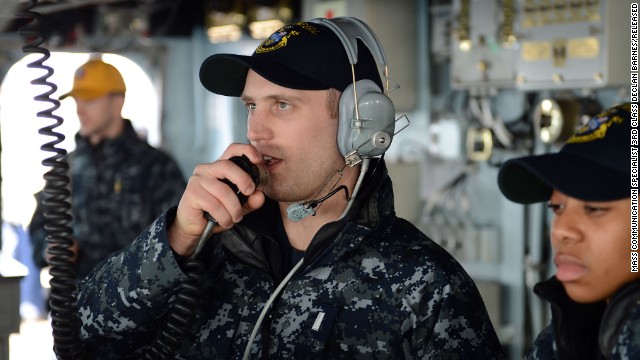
(299, 211)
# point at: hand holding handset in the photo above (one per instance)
(182, 313)
(260, 177)
(258, 173)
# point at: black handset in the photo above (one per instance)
(260, 177)
(258, 173)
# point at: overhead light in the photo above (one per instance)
(224, 33)
(465, 45)
(265, 20)
(225, 24)
(264, 28)
(226, 20)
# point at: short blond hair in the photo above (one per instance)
(333, 102)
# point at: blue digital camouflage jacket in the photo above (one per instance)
(574, 332)
(371, 287)
(117, 189)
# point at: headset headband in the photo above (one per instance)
(349, 30)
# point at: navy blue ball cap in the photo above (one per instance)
(593, 165)
(302, 55)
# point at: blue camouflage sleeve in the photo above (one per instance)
(455, 323)
(126, 293)
(37, 233)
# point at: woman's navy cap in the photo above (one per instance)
(594, 164)
(303, 56)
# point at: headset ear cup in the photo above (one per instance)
(616, 316)
(373, 135)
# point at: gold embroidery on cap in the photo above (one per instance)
(589, 133)
(307, 27)
(276, 41)
(280, 38)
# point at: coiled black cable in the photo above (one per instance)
(57, 212)
(181, 315)
(64, 321)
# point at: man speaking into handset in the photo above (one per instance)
(315, 265)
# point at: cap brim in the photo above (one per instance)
(531, 179)
(64, 96)
(225, 74)
(83, 94)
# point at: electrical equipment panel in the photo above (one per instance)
(540, 44)
(573, 44)
(483, 53)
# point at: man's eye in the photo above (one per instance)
(251, 106)
(283, 105)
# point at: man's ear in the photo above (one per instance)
(117, 101)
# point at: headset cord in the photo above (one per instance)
(64, 321)
(267, 307)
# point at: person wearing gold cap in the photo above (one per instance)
(119, 183)
(595, 292)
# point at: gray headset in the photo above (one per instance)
(367, 115)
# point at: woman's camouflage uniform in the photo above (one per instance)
(575, 327)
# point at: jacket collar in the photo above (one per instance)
(575, 325)
(373, 203)
(111, 148)
(372, 206)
